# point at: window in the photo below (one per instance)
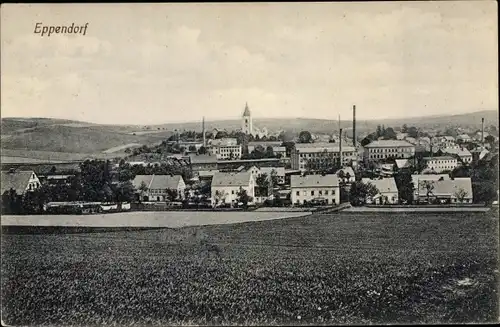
(312, 193)
(232, 192)
(333, 192)
(297, 193)
(320, 192)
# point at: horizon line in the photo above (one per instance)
(234, 118)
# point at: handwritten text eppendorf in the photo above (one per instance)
(60, 29)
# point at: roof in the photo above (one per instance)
(279, 148)
(461, 152)
(427, 177)
(449, 138)
(247, 110)
(314, 181)
(403, 163)
(385, 185)
(228, 141)
(440, 158)
(463, 136)
(448, 187)
(265, 143)
(158, 181)
(231, 179)
(321, 147)
(388, 143)
(207, 173)
(17, 180)
(202, 158)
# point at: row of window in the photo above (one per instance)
(313, 193)
(383, 156)
(391, 150)
(443, 161)
(324, 154)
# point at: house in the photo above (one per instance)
(202, 162)
(255, 171)
(384, 149)
(417, 179)
(458, 190)
(206, 174)
(462, 153)
(445, 141)
(387, 191)
(159, 187)
(226, 186)
(21, 181)
(59, 179)
(225, 149)
(440, 164)
(315, 156)
(315, 188)
(479, 153)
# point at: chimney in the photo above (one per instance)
(203, 131)
(482, 131)
(340, 149)
(354, 126)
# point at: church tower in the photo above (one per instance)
(247, 127)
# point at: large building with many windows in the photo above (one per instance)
(318, 156)
(226, 149)
(440, 164)
(384, 149)
(310, 188)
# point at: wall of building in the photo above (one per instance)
(301, 194)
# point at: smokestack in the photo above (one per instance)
(340, 149)
(203, 131)
(482, 131)
(354, 125)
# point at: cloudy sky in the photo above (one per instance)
(145, 64)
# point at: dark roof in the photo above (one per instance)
(247, 111)
(158, 181)
(231, 179)
(17, 180)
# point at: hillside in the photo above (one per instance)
(61, 138)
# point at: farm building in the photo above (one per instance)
(159, 187)
(387, 191)
(226, 186)
(20, 181)
(458, 190)
(315, 188)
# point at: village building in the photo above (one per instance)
(20, 181)
(458, 190)
(479, 153)
(158, 188)
(387, 191)
(440, 164)
(462, 153)
(317, 156)
(279, 171)
(225, 149)
(464, 138)
(420, 178)
(202, 162)
(383, 149)
(348, 175)
(315, 189)
(226, 186)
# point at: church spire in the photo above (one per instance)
(246, 113)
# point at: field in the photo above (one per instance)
(320, 269)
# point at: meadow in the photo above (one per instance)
(321, 269)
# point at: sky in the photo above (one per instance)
(160, 63)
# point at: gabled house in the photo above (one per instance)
(159, 187)
(226, 186)
(20, 181)
(387, 191)
(315, 189)
(462, 153)
(458, 190)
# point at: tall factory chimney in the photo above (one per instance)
(340, 148)
(482, 131)
(354, 126)
(203, 131)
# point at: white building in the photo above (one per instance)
(226, 149)
(226, 186)
(387, 191)
(315, 187)
(440, 164)
(461, 153)
(157, 187)
(317, 156)
(21, 181)
(349, 175)
(384, 149)
(422, 178)
(458, 190)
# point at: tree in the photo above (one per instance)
(202, 150)
(192, 148)
(404, 129)
(461, 194)
(269, 152)
(428, 186)
(405, 186)
(219, 197)
(341, 176)
(389, 134)
(360, 191)
(172, 194)
(365, 141)
(243, 197)
(288, 147)
(489, 139)
(262, 182)
(305, 137)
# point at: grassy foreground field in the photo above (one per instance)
(320, 269)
